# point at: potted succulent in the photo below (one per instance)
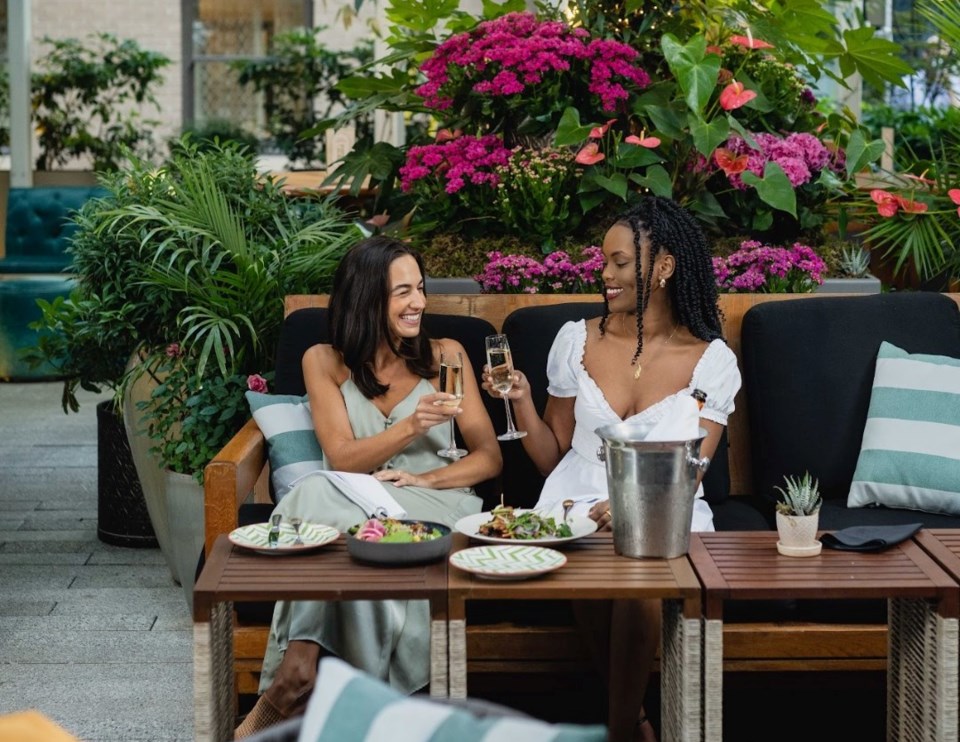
(798, 516)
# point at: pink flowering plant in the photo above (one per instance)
(758, 268)
(556, 274)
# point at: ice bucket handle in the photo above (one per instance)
(701, 464)
(602, 454)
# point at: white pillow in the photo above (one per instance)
(284, 420)
(350, 706)
(910, 454)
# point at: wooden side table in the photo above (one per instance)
(594, 572)
(923, 609)
(232, 574)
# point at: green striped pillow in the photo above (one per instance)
(349, 706)
(910, 455)
(284, 420)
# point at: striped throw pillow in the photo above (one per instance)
(350, 706)
(910, 455)
(284, 420)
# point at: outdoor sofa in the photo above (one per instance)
(808, 364)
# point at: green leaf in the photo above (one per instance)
(861, 153)
(591, 199)
(616, 184)
(774, 188)
(495, 10)
(747, 136)
(657, 180)
(706, 205)
(631, 156)
(569, 130)
(708, 135)
(696, 74)
(875, 58)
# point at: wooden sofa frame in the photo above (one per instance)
(505, 651)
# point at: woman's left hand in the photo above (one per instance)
(400, 478)
(601, 514)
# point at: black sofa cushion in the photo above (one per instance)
(808, 367)
(532, 331)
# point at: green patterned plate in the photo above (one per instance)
(314, 535)
(507, 562)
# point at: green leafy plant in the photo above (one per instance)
(198, 254)
(87, 100)
(801, 497)
(854, 261)
(298, 81)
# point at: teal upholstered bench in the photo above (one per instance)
(36, 265)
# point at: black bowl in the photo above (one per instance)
(418, 552)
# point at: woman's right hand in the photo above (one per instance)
(434, 409)
(519, 390)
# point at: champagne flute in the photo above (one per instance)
(500, 362)
(451, 382)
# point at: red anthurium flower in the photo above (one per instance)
(911, 207)
(735, 95)
(590, 154)
(887, 203)
(730, 163)
(445, 135)
(597, 132)
(750, 42)
(643, 141)
(954, 194)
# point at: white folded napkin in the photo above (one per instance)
(364, 491)
(680, 423)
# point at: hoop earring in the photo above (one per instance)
(663, 282)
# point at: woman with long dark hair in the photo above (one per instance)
(376, 408)
(659, 338)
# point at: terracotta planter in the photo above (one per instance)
(798, 535)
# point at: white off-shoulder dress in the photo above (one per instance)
(580, 472)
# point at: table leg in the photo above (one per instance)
(213, 683)
(922, 670)
(458, 658)
(439, 659)
(680, 668)
(712, 680)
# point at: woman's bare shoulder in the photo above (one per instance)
(325, 360)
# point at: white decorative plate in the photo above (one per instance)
(470, 525)
(507, 562)
(313, 535)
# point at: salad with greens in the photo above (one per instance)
(524, 525)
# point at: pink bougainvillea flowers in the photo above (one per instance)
(750, 43)
(735, 95)
(643, 140)
(590, 154)
(954, 194)
(730, 162)
(597, 132)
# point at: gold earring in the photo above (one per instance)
(663, 282)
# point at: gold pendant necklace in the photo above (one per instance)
(639, 369)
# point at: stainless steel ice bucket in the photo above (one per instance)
(652, 486)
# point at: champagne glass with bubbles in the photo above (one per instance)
(451, 382)
(501, 379)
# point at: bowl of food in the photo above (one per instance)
(395, 541)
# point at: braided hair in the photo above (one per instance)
(357, 315)
(693, 289)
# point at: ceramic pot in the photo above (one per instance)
(148, 466)
(798, 534)
(185, 511)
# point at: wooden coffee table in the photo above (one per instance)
(923, 605)
(232, 574)
(594, 572)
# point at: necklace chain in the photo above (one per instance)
(639, 369)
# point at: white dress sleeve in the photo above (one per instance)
(565, 359)
(719, 377)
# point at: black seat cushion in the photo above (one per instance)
(532, 331)
(307, 327)
(808, 367)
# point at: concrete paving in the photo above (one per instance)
(95, 636)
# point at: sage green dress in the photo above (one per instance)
(388, 639)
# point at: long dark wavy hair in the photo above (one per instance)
(357, 314)
(693, 289)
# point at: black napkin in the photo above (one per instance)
(869, 538)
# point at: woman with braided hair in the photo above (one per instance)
(659, 338)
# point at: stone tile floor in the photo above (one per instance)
(97, 637)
